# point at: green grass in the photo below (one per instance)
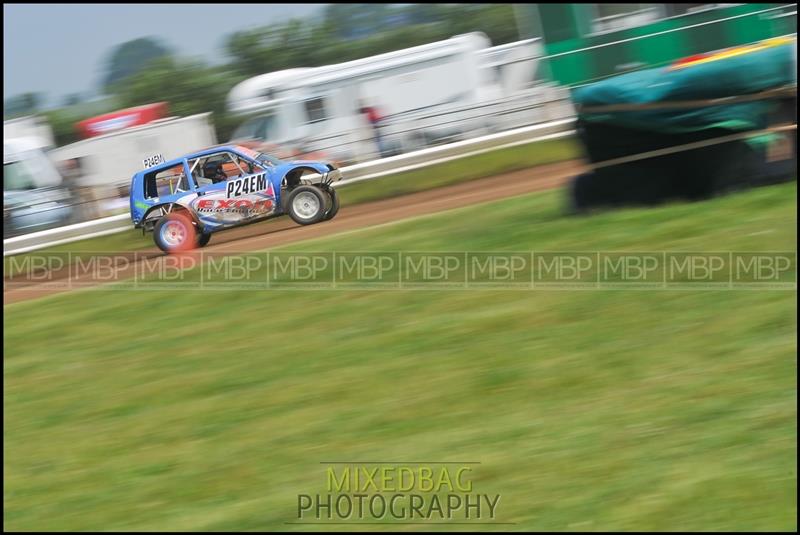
(589, 410)
(455, 171)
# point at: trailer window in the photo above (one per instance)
(315, 110)
(255, 128)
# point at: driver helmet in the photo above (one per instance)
(213, 170)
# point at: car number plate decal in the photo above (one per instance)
(153, 160)
(246, 185)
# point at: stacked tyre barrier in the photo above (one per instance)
(714, 168)
(699, 128)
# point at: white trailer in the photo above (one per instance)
(112, 159)
(452, 89)
(318, 108)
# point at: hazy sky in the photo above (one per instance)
(58, 49)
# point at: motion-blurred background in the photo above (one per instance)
(346, 82)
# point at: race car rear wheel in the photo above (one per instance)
(334, 209)
(174, 233)
(307, 205)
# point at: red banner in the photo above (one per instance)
(118, 120)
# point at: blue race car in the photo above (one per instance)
(184, 201)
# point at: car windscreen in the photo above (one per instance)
(16, 177)
(269, 160)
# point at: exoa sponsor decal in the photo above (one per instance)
(235, 205)
(246, 185)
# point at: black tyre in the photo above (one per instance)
(334, 209)
(307, 205)
(175, 233)
(203, 239)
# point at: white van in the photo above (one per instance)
(33, 194)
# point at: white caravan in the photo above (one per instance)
(318, 108)
(448, 90)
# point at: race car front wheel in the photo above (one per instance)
(307, 205)
(174, 233)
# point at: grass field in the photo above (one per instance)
(588, 410)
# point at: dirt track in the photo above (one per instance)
(282, 231)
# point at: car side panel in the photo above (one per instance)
(234, 202)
